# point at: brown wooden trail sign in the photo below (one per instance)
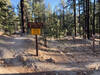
(36, 30)
(35, 24)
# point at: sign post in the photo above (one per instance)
(36, 30)
(36, 45)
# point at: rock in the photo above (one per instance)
(94, 66)
(50, 60)
(21, 58)
(7, 61)
(1, 62)
(58, 47)
(11, 62)
(84, 73)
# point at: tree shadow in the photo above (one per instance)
(76, 41)
(49, 50)
(86, 72)
(14, 44)
(12, 62)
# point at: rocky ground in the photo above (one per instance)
(61, 57)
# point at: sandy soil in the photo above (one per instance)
(61, 57)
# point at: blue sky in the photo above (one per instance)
(52, 3)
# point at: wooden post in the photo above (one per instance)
(36, 45)
(45, 42)
(93, 43)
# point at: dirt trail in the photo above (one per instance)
(59, 58)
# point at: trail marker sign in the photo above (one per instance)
(35, 27)
(36, 30)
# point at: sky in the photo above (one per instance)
(52, 3)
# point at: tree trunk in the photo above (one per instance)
(93, 26)
(99, 29)
(63, 17)
(79, 19)
(27, 19)
(22, 15)
(44, 37)
(75, 15)
(84, 19)
(87, 19)
(99, 18)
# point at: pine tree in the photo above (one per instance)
(7, 16)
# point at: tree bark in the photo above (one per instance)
(87, 19)
(22, 15)
(75, 15)
(79, 19)
(44, 37)
(63, 17)
(84, 19)
(93, 26)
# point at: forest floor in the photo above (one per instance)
(61, 57)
